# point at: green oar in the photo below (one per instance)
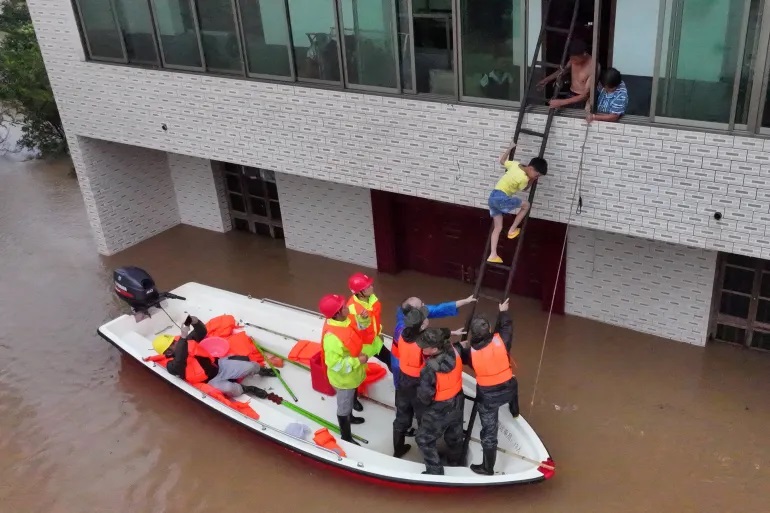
(277, 399)
(277, 374)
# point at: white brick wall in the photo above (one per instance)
(200, 193)
(658, 288)
(656, 183)
(327, 219)
(128, 192)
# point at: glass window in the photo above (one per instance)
(314, 34)
(633, 51)
(369, 42)
(266, 33)
(219, 37)
(742, 109)
(699, 59)
(101, 30)
(136, 23)
(178, 35)
(433, 46)
(492, 49)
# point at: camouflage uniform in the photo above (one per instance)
(407, 405)
(490, 399)
(442, 418)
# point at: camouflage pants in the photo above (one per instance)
(407, 405)
(441, 419)
(488, 415)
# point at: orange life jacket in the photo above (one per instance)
(410, 358)
(492, 364)
(242, 407)
(325, 439)
(221, 326)
(194, 373)
(349, 337)
(449, 384)
(241, 345)
(303, 351)
(375, 314)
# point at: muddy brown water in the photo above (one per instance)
(635, 423)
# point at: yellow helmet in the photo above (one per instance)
(162, 342)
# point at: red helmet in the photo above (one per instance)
(358, 282)
(330, 304)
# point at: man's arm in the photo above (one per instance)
(504, 328)
(334, 356)
(178, 363)
(426, 390)
(553, 76)
(505, 157)
(563, 102)
(603, 117)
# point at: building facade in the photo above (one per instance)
(256, 115)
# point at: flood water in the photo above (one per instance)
(635, 423)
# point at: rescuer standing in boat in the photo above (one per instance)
(489, 355)
(412, 362)
(365, 311)
(441, 392)
(341, 349)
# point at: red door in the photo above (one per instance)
(448, 240)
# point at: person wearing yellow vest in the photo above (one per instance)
(365, 311)
(341, 348)
(489, 355)
(441, 393)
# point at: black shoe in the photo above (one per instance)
(399, 447)
(357, 405)
(356, 420)
(487, 467)
(255, 391)
(436, 472)
(345, 433)
(267, 372)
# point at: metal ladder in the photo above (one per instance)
(525, 104)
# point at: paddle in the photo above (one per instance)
(277, 374)
(277, 399)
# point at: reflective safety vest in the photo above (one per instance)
(349, 338)
(410, 358)
(372, 325)
(492, 364)
(449, 384)
(193, 372)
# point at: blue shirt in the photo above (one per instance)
(615, 102)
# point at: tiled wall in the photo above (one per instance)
(200, 193)
(128, 192)
(327, 219)
(658, 288)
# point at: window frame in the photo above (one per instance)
(244, 47)
(84, 34)
(157, 64)
(340, 54)
(396, 54)
(525, 65)
(238, 35)
(196, 25)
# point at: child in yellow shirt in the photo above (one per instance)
(503, 199)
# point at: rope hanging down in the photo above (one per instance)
(577, 192)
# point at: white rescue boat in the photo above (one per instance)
(521, 458)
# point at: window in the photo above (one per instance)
(370, 58)
(221, 45)
(434, 46)
(178, 33)
(633, 51)
(405, 41)
(492, 45)
(699, 59)
(253, 199)
(266, 34)
(136, 23)
(314, 34)
(101, 30)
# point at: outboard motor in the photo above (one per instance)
(136, 287)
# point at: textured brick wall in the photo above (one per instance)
(327, 219)
(658, 288)
(128, 192)
(200, 193)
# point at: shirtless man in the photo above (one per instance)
(581, 68)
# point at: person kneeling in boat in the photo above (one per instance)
(186, 359)
(341, 348)
(441, 393)
(489, 355)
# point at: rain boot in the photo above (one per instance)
(356, 420)
(487, 466)
(357, 404)
(255, 391)
(345, 432)
(513, 407)
(399, 447)
(267, 372)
